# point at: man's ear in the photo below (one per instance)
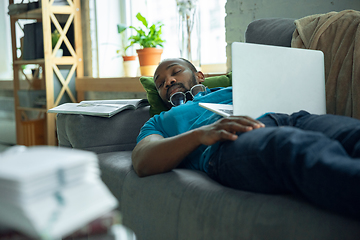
(200, 76)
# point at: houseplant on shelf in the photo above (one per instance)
(129, 61)
(55, 36)
(148, 39)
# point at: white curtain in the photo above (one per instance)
(5, 43)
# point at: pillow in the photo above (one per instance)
(156, 103)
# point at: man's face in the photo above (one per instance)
(174, 75)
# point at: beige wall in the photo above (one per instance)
(241, 12)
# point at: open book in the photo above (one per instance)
(101, 108)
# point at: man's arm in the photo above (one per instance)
(155, 154)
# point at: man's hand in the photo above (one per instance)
(226, 129)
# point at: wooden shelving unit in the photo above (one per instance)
(43, 130)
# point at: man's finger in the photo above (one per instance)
(236, 126)
(226, 135)
(247, 121)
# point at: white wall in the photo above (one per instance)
(240, 13)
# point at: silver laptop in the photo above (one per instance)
(274, 79)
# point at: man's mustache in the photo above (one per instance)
(170, 88)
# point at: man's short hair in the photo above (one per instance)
(190, 65)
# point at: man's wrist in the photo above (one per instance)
(196, 135)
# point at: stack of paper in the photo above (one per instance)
(49, 192)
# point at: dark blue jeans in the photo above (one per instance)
(316, 157)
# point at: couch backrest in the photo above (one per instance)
(271, 31)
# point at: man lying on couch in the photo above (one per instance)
(315, 157)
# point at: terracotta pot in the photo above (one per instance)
(129, 58)
(149, 59)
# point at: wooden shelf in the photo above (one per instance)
(37, 13)
(127, 84)
(51, 74)
(65, 61)
(32, 109)
(32, 14)
(62, 9)
(57, 61)
(26, 62)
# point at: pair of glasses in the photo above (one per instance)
(179, 98)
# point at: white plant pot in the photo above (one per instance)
(131, 68)
(59, 53)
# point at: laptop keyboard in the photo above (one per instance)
(228, 111)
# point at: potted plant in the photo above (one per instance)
(55, 36)
(129, 61)
(148, 39)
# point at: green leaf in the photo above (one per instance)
(149, 36)
(121, 28)
(55, 35)
(142, 19)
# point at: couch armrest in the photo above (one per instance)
(99, 134)
(271, 31)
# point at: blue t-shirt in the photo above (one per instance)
(186, 117)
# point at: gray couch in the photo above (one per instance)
(186, 204)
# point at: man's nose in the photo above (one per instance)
(170, 81)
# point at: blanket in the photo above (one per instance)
(337, 35)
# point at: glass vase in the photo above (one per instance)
(189, 30)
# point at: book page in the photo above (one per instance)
(102, 110)
(133, 102)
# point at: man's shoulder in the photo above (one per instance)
(216, 89)
(220, 90)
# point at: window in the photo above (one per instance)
(212, 26)
(105, 39)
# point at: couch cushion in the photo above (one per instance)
(271, 31)
(114, 167)
(187, 204)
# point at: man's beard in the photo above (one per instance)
(193, 83)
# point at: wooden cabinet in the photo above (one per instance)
(42, 129)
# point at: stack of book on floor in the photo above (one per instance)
(50, 192)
